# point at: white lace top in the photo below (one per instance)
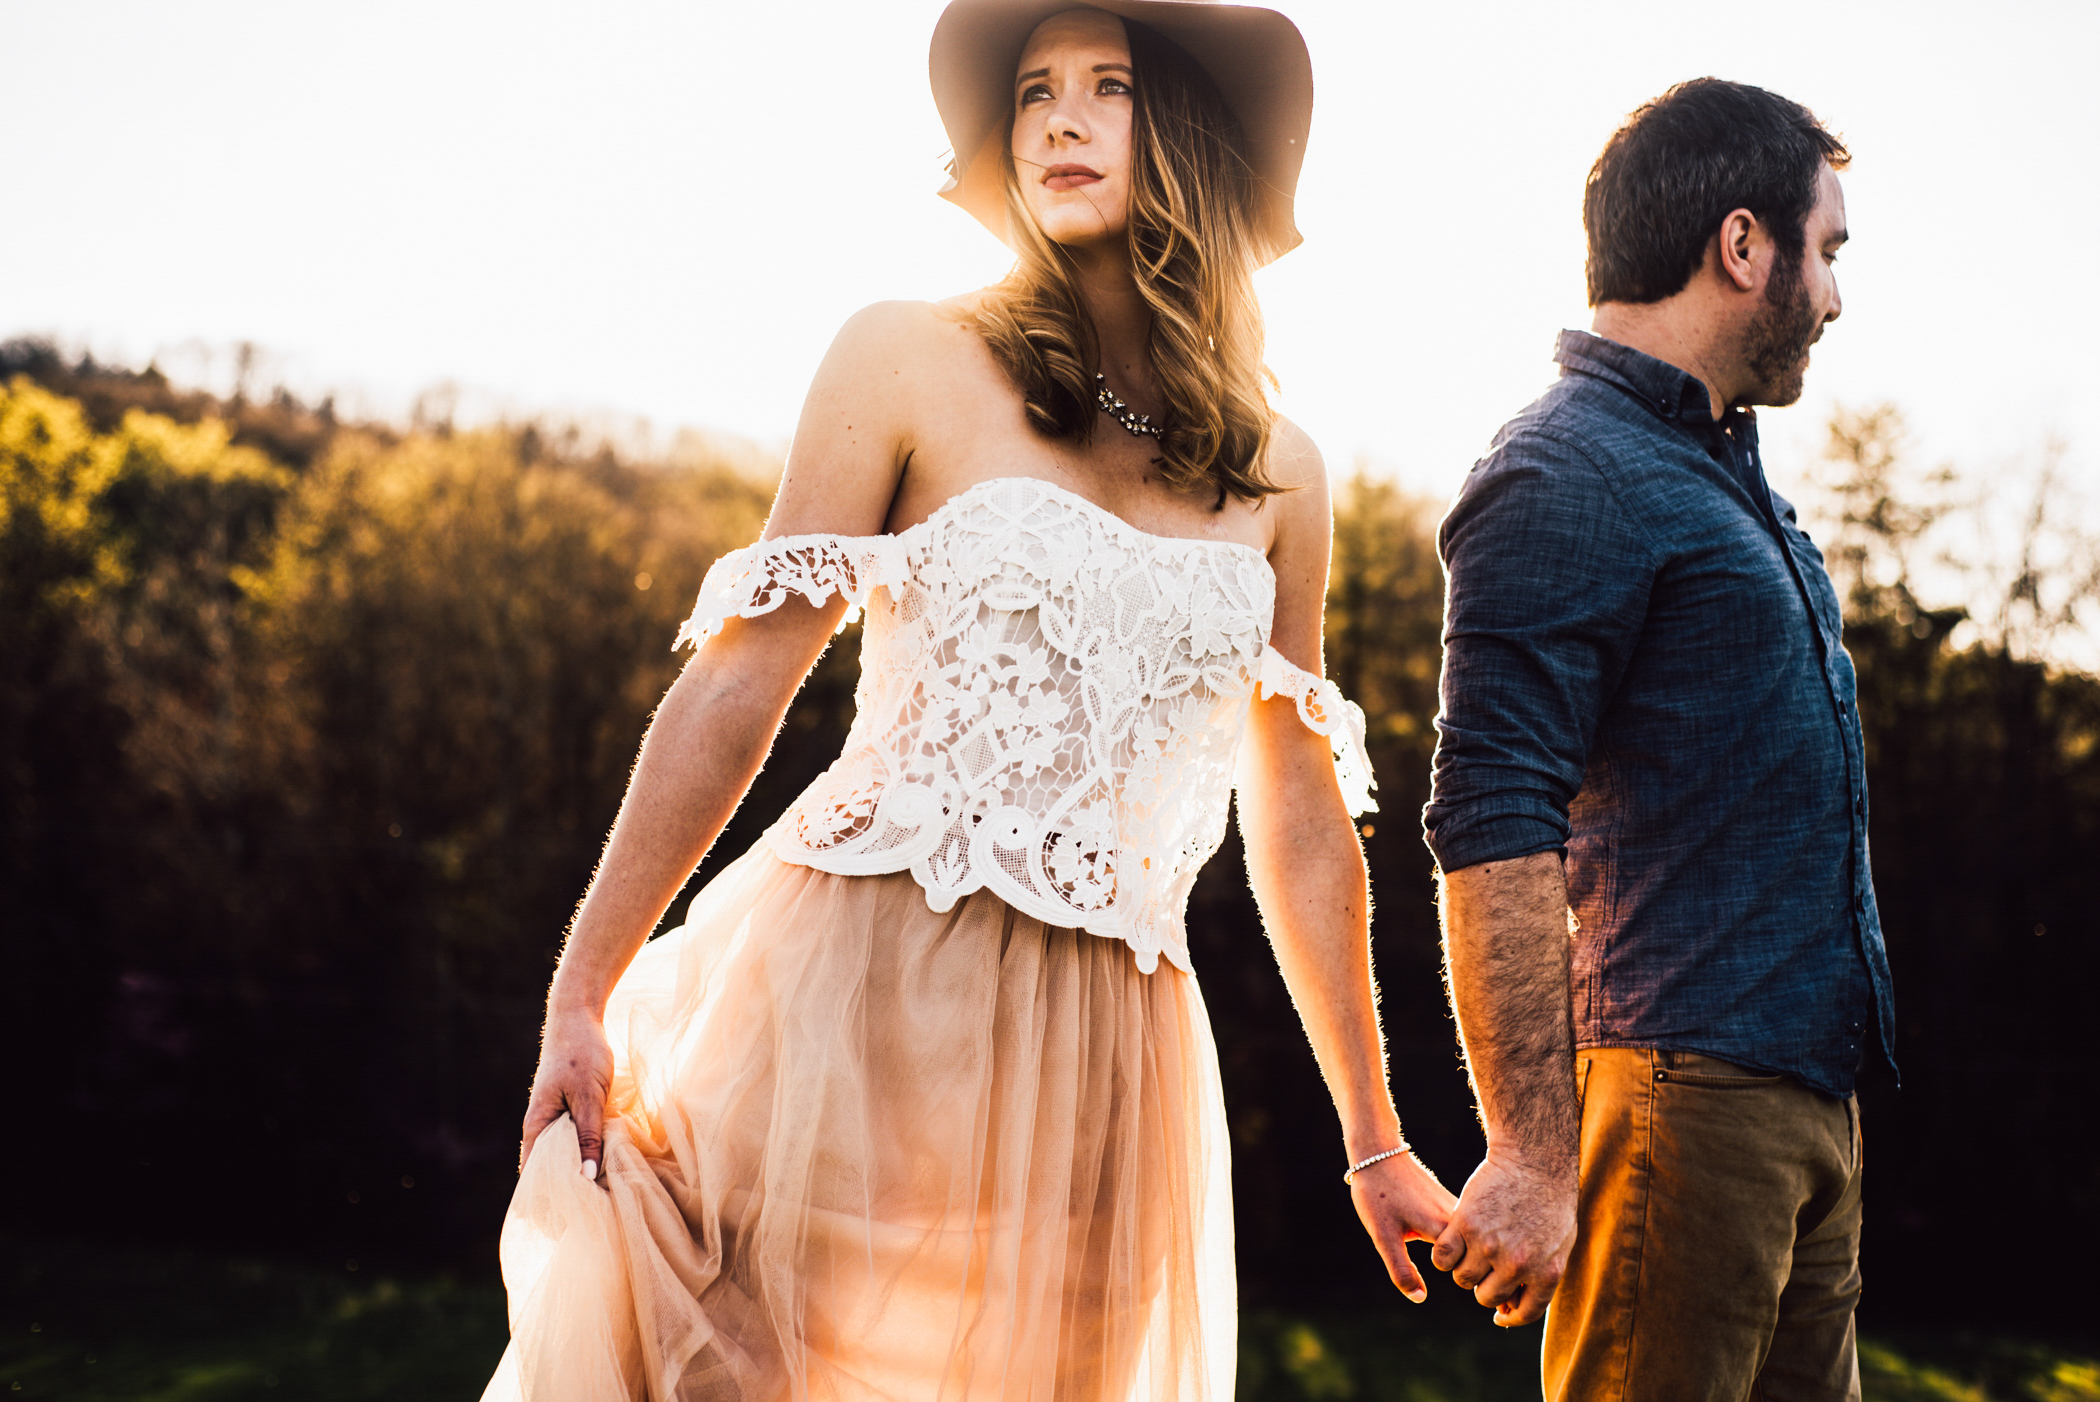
(1050, 705)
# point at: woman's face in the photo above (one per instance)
(1072, 118)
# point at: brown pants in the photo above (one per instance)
(1716, 1241)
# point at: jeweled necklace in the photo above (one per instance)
(1132, 421)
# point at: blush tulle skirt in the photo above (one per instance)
(858, 1149)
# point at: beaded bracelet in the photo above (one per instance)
(1362, 1164)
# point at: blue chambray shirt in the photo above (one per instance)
(1643, 671)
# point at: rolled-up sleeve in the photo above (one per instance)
(1547, 579)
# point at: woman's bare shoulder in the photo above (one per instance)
(911, 322)
(1294, 464)
(889, 369)
(964, 305)
(884, 338)
(1303, 541)
(891, 328)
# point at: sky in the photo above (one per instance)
(663, 211)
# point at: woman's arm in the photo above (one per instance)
(712, 732)
(1309, 878)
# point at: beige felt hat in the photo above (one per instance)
(1255, 56)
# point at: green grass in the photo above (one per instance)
(1404, 1354)
(91, 1324)
(1403, 1357)
(1973, 1368)
(96, 1325)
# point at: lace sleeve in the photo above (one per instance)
(1327, 712)
(758, 578)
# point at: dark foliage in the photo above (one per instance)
(305, 756)
(1984, 777)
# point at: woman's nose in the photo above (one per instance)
(1067, 122)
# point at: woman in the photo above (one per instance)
(911, 1106)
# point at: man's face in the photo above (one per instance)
(1801, 297)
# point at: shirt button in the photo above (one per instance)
(1859, 808)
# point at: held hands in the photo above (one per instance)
(574, 1078)
(1400, 1201)
(1509, 1237)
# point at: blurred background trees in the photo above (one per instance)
(1983, 761)
(309, 732)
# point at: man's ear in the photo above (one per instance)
(1743, 243)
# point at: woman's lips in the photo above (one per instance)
(1069, 177)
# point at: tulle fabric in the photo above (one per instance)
(864, 1150)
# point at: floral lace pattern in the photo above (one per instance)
(1050, 705)
(758, 579)
(1327, 712)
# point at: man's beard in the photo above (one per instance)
(1780, 334)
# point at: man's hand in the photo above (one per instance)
(1506, 953)
(1509, 1237)
(1400, 1201)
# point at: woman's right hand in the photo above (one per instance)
(574, 1078)
(1399, 1200)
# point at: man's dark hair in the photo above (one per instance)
(1678, 166)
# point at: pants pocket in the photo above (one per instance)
(1686, 1069)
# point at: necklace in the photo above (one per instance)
(1132, 421)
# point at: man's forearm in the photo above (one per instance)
(1506, 960)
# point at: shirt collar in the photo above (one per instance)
(1666, 390)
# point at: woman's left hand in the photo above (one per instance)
(1398, 1201)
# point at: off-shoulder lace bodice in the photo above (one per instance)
(1050, 705)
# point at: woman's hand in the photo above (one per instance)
(1400, 1201)
(714, 726)
(1309, 878)
(574, 1078)
(705, 743)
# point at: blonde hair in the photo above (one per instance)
(1193, 252)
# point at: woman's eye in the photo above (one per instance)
(1034, 93)
(1110, 86)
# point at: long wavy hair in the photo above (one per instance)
(1193, 250)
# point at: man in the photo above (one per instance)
(1649, 807)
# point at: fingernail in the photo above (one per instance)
(590, 1169)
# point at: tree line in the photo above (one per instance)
(310, 731)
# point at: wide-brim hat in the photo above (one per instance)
(1255, 56)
